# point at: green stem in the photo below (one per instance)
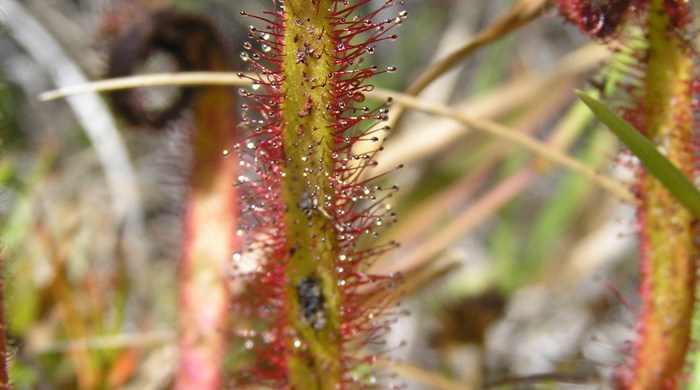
(314, 357)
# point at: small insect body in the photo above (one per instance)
(308, 203)
(311, 206)
(312, 302)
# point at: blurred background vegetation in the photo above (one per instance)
(518, 274)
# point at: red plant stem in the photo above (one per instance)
(668, 249)
(4, 377)
(665, 113)
(209, 242)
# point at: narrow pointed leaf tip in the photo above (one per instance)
(655, 162)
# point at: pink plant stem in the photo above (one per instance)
(194, 43)
(209, 242)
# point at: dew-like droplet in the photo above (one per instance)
(268, 337)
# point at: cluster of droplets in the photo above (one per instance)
(599, 19)
(603, 19)
(356, 212)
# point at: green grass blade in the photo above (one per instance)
(655, 162)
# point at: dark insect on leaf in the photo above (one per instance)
(308, 203)
(312, 302)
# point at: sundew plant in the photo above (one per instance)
(207, 194)
(310, 216)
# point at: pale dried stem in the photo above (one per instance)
(471, 217)
(423, 217)
(150, 80)
(431, 137)
(517, 16)
(526, 142)
(421, 375)
(495, 129)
